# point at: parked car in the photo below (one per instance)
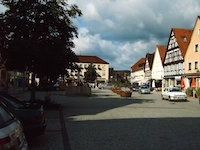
(106, 86)
(144, 89)
(11, 131)
(31, 115)
(135, 87)
(173, 93)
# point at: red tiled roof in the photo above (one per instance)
(180, 34)
(162, 50)
(91, 59)
(139, 65)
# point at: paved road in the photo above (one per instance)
(107, 122)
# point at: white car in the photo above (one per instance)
(11, 132)
(173, 93)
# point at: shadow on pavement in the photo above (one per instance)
(135, 134)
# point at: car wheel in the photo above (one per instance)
(169, 98)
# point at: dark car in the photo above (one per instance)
(135, 86)
(11, 131)
(31, 115)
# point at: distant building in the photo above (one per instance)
(117, 75)
(137, 72)
(148, 68)
(102, 68)
(157, 67)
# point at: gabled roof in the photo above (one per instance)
(150, 58)
(183, 37)
(198, 17)
(91, 59)
(139, 65)
(162, 50)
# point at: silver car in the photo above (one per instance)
(11, 131)
(144, 89)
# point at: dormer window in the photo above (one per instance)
(184, 39)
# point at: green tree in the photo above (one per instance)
(37, 35)
(90, 74)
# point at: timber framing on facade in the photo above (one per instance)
(178, 42)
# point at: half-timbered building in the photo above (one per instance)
(178, 42)
(148, 68)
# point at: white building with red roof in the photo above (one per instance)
(102, 68)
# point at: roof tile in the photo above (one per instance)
(183, 37)
(139, 65)
(91, 59)
(162, 50)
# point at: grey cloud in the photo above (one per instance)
(128, 29)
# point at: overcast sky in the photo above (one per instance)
(123, 31)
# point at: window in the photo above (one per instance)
(103, 73)
(99, 67)
(189, 66)
(196, 48)
(196, 65)
(199, 32)
(184, 39)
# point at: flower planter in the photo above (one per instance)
(125, 94)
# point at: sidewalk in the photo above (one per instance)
(55, 133)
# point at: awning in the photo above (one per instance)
(193, 82)
(182, 83)
(153, 84)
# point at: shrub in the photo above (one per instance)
(189, 91)
(198, 92)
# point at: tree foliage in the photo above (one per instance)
(36, 35)
(90, 74)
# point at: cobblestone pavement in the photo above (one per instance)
(105, 121)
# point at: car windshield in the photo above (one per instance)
(144, 87)
(4, 116)
(175, 90)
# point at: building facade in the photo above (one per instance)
(174, 70)
(102, 68)
(148, 68)
(137, 72)
(157, 67)
(192, 58)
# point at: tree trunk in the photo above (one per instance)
(32, 96)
